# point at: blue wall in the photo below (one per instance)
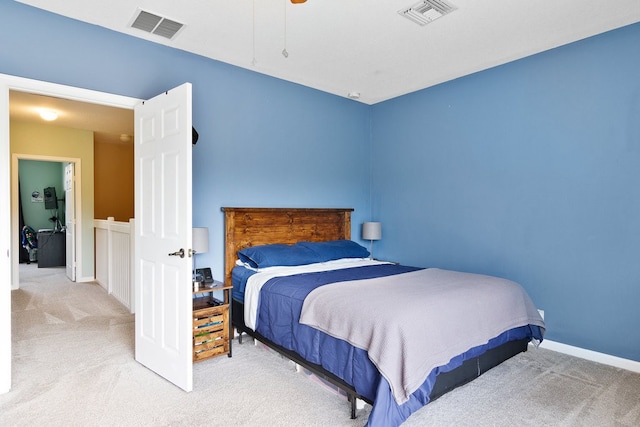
(263, 141)
(530, 171)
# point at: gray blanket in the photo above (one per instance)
(414, 322)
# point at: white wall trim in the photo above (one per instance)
(68, 92)
(5, 245)
(594, 356)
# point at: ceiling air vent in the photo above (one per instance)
(426, 11)
(155, 24)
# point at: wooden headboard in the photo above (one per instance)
(246, 227)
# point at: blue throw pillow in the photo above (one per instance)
(336, 249)
(277, 254)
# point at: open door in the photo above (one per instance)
(163, 290)
(70, 219)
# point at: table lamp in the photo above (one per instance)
(371, 231)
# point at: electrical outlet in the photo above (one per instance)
(541, 313)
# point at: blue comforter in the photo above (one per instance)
(279, 309)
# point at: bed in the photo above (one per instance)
(280, 313)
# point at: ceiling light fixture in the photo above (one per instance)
(354, 95)
(48, 115)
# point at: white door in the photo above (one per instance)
(70, 219)
(163, 290)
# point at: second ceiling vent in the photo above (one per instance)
(427, 11)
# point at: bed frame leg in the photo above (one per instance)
(352, 402)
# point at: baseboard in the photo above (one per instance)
(594, 356)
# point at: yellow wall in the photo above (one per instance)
(113, 163)
(48, 140)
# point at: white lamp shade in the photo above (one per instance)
(372, 230)
(200, 240)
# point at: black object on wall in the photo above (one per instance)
(50, 200)
(194, 136)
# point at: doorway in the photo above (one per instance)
(52, 218)
(78, 135)
(9, 263)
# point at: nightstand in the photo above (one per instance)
(211, 322)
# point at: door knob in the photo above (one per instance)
(179, 253)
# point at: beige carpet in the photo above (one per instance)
(73, 366)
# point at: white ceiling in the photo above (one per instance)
(365, 46)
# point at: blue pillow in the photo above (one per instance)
(336, 249)
(277, 254)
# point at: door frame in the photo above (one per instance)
(15, 226)
(71, 219)
(7, 250)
